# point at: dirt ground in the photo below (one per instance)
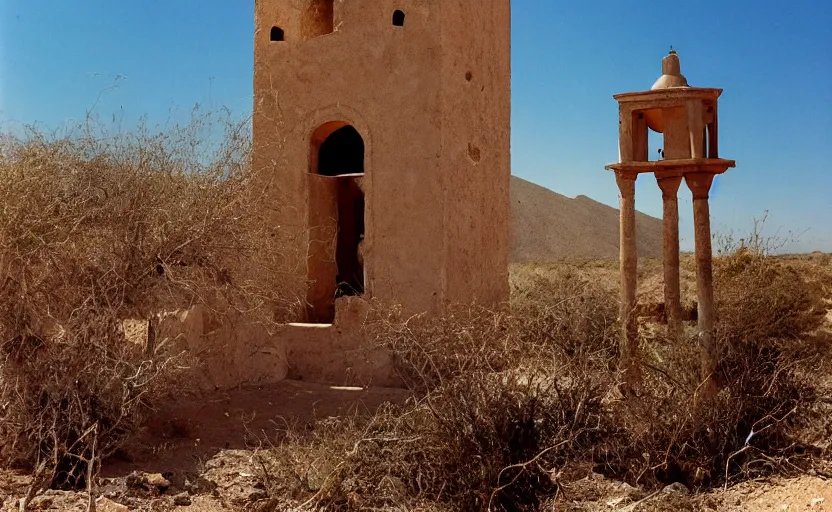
(206, 449)
(203, 456)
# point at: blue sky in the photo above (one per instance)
(773, 58)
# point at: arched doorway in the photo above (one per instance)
(336, 202)
(341, 153)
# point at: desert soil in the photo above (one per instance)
(205, 456)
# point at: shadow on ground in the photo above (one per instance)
(181, 437)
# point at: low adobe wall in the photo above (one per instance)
(229, 351)
(338, 354)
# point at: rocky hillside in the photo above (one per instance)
(548, 226)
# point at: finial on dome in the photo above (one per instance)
(671, 72)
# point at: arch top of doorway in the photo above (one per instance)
(338, 150)
(323, 121)
(323, 131)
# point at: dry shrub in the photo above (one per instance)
(76, 397)
(770, 351)
(430, 350)
(485, 442)
(562, 312)
(506, 439)
(503, 402)
(350, 462)
(99, 227)
(513, 406)
(555, 315)
(759, 297)
(670, 439)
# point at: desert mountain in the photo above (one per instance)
(547, 226)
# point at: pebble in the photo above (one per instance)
(677, 487)
(182, 499)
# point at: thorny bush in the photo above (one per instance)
(560, 315)
(488, 441)
(511, 407)
(504, 401)
(770, 347)
(506, 404)
(100, 227)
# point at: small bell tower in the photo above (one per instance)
(687, 118)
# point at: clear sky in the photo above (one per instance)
(773, 58)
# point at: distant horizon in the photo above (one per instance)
(685, 248)
(770, 58)
(736, 234)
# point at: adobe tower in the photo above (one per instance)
(383, 130)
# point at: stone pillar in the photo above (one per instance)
(700, 185)
(670, 253)
(628, 260)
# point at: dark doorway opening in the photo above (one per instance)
(342, 152)
(336, 267)
(398, 18)
(350, 276)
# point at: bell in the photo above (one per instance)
(671, 77)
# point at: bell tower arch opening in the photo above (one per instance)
(335, 262)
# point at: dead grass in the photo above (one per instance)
(511, 405)
(98, 227)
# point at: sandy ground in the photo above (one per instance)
(205, 448)
(804, 493)
(207, 452)
(182, 438)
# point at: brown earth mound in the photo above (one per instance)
(547, 226)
